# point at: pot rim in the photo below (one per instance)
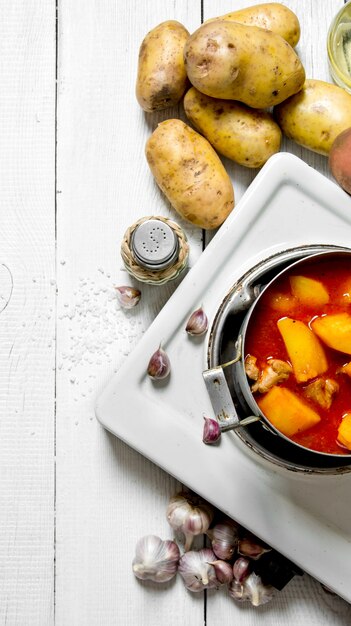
(243, 382)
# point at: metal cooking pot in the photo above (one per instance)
(216, 383)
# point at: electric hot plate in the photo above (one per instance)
(302, 514)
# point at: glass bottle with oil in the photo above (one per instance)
(339, 47)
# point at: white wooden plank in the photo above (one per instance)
(27, 323)
(107, 495)
(303, 601)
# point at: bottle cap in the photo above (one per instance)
(154, 245)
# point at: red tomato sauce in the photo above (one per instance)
(263, 340)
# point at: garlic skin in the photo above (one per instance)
(224, 538)
(155, 559)
(128, 297)
(159, 366)
(197, 323)
(251, 546)
(252, 589)
(211, 432)
(241, 569)
(237, 591)
(259, 593)
(197, 571)
(188, 513)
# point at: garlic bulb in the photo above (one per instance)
(224, 538)
(188, 513)
(251, 546)
(197, 323)
(197, 571)
(211, 432)
(155, 559)
(251, 589)
(159, 366)
(128, 297)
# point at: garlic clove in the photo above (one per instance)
(159, 366)
(224, 571)
(155, 559)
(197, 323)
(241, 569)
(211, 432)
(251, 546)
(128, 297)
(197, 570)
(188, 513)
(224, 538)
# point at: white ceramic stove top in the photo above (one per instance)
(305, 517)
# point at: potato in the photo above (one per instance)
(283, 302)
(236, 62)
(162, 80)
(287, 412)
(247, 136)
(190, 174)
(306, 354)
(344, 431)
(334, 330)
(345, 369)
(308, 291)
(340, 159)
(271, 16)
(316, 115)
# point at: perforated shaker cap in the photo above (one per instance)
(154, 244)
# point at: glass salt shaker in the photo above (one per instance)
(155, 250)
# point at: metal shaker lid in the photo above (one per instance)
(154, 244)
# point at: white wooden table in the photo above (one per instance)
(74, 499)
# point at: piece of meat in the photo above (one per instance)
(251, 368)
(322, 391)
(272, 374)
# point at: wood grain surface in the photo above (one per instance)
(27, 317)
(74, 500)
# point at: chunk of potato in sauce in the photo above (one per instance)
(309, 291)
(265, 341)
(344, 431)
(334, 330)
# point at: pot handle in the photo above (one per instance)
(221, 399)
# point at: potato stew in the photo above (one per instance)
(298, 354)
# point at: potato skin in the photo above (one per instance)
(190, 174)
(315, 116)
(270, 16)
(247, 136)
(340, 160)
(236, 62)
(161, 79)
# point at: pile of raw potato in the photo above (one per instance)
(242, 86)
